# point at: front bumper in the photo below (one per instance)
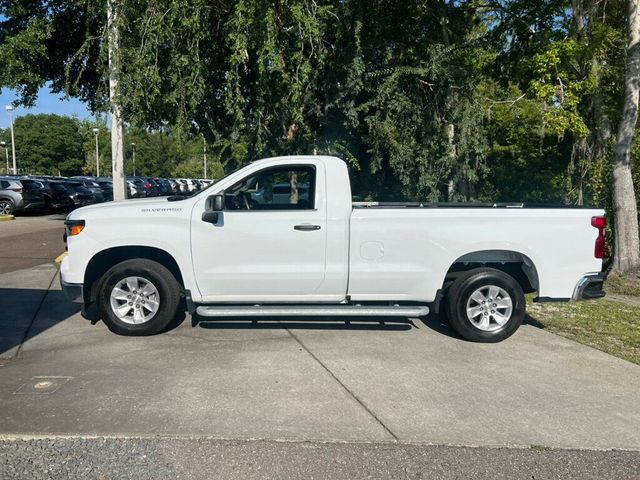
(590, 287)
(73, 291)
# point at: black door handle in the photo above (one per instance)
(307, 227)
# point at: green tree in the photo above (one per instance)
(496, 100)
(48, 144)
(89, 146)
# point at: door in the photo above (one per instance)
(269, 243)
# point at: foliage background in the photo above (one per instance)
(478, 100)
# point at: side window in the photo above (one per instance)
(278, 188)
(4, 184)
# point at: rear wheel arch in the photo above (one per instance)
(513, 263)
(102, 261)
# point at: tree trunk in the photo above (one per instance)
(451, 185)
(117, 124)
(627, 254)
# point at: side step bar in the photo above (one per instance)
(304, 311)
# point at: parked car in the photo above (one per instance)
(92, 186)
(163, 188)
(135, 191)
(106, 187)
(155, 187)
(144, 186)
(56, 195)
(192, 185)
(16, 196)
(321, 254)
(183, 186)
(171, 186)
(79, 194)
(175, 186)
(279, 193)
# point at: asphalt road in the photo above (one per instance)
(173, 458)
(28, 241)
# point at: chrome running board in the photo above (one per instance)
(304, 311)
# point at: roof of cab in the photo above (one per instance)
(325, 158)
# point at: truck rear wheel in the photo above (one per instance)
(138, 297)
(485, 305)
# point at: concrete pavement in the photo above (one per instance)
(21, 297)
(408, 382)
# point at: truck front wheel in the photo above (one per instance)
(138, 297)
(485, 305)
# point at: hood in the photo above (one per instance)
(131, 207)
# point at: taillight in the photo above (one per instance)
(147, 185)
(17, 190)
(600, 223)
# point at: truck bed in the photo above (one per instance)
(402, 251)
(463, 205)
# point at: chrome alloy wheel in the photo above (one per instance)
(135, 300)
(5, 208)
(489, 308)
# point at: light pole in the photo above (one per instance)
(95, 131)
(13, 140)
(6, 153)
(133, 145)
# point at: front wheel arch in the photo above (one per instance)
(105, 259)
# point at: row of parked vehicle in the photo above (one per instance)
(47, 193)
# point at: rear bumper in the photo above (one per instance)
(73, 291)
(590, 287)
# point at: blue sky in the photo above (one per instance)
(47, 103)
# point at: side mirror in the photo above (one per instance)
(213, 206)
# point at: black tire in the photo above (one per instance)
(6, 207)
(165, 283)
(460, 292)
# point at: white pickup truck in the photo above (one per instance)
(281, 237)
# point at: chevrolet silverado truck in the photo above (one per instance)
(281, 237)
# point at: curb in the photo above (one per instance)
(4, 218)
